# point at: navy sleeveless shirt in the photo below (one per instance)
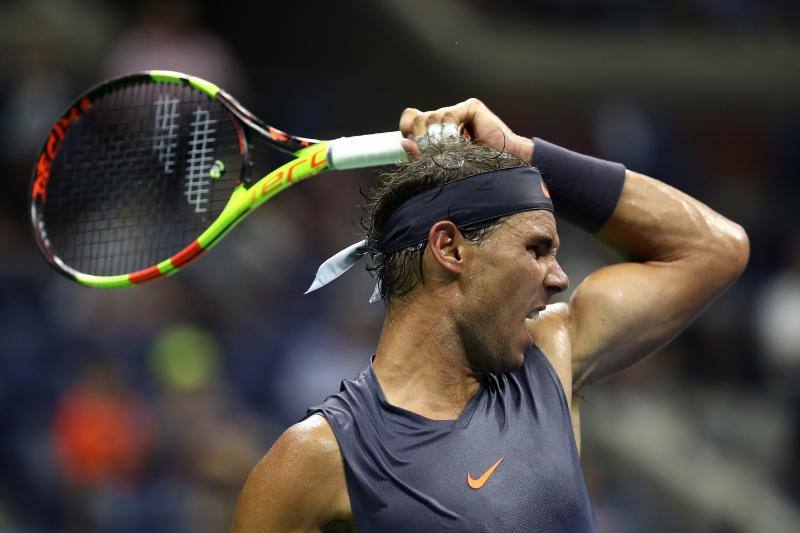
(508, 463)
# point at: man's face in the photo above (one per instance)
(506, 278)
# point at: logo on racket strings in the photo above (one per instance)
(201, 150)
(165, 134)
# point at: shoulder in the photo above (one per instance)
(553, 321)
(299, 484)
(309, 443)
(551, 333)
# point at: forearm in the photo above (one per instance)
(641, 218)
(681, 254)
(654, 222)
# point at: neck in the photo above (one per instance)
(421, 362)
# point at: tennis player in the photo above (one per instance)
(468, 418)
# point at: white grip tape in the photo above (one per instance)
(366, 151)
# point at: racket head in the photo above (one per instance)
(132, 173)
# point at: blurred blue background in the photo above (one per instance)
(144, 409)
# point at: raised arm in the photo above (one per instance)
(681, 254)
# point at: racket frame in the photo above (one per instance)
(310, 159)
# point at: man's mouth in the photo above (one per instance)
(534, 314)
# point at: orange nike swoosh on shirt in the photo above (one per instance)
(478, 483)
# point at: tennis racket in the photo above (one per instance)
(144, 173)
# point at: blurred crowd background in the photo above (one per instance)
(144, 409)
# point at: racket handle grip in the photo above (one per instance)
(366, 151)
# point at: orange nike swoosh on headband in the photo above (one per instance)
(478, 483)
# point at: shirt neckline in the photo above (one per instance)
(461, 422)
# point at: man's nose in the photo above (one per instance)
(556, 280)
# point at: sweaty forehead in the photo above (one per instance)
(532, 223)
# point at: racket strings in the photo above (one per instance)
(137, 178)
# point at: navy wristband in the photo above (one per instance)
(585, 190)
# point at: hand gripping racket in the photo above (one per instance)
(144, 173)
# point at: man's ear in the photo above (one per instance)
(446, 246)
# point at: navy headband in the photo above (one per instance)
(465, 202)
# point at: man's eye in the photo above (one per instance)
(540, 250)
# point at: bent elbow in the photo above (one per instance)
(736, 251)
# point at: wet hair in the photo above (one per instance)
(441, 163)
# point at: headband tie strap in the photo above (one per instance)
(465, 202)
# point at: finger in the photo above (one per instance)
(419, 126)
(434, 117)
(448, 117)
(410, 146)
(449, 126)
(461, 112)
(407, 118)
